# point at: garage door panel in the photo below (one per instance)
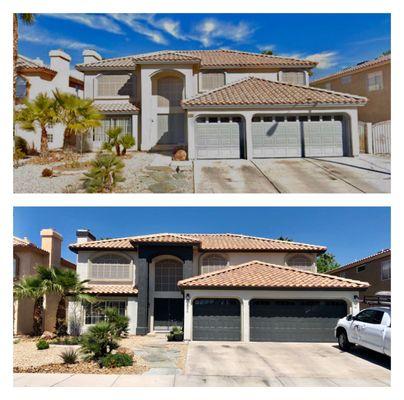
(218, 140)
(276, 139)
(323, 138)
(216, 319)
(295, 320)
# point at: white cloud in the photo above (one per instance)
(211, 31)
(325, 59)
(135, 22)
(94, 21)
(264, 47)
(34, 35)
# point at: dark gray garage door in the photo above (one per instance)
(216, 319)
(218, 137)
(276, 136)
(295, 320)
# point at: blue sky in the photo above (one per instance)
(349, 232)
(334, 40)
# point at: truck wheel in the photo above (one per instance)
(343, 342)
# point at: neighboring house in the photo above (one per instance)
(375, 269)
(34, 77)
(218, 286)
(220, 104)
(26, 257)
(371, 79)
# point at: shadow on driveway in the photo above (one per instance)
(371, 356)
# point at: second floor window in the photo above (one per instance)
(300, 261)
(21, 88)
(212, 80)
(110, 267)
(375, 81)
(345, 80)
(294, 77)
(167, 274)
(386, 270)
(213, 263)
(115, 85)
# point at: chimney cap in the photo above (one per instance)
(61, 54)
(83, 233)
(92, 53)
(51, 232)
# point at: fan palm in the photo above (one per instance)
(41, 112)
(76, 114)
(26, 19)
(32, 287)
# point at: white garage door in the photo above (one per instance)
(324, 136)
(218, 137)
(298, 136)
(276, 136)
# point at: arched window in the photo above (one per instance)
(21, 88)
(300, 261)
(169, 91)
(213, 262)
(167, 274)
(110, 267)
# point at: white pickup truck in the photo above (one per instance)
(371, 328)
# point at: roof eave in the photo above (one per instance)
(286, 288)
(269, 106)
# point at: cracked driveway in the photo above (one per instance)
(286, 364)
(363, 174)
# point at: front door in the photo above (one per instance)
(168, 313)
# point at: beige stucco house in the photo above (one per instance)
(34, 77)
(371, 79)
(220, 104)
(217, 286)
(26, 257)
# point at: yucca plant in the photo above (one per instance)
(104, 175)
(126, 141)
(69, 356)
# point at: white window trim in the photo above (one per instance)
(129, 263)
(371, 75)
(225, 258)
(384, 263)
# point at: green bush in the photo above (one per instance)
(170, 337)
(116, 360)
(127, 141)
(42, 344)
(99, 341)
(68, 341)
(69, 356)
(119, 322)
(21, 145)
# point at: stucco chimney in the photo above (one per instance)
(52, 243)
(60, 62)
(91, 56)
(84, 235)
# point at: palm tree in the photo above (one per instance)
(65, 283)
(113, 139)
(32, 287)
(39, 111)
(76, 114)
(27, 19)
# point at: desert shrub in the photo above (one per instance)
(69, 356)
(67, 341)
(170, 337)
(99, 341)
(116, 360)
(119, 322)
(42, 344)
(47, 172)
(104, 175)
(126, 141)
(21, 144)
(18, 155)
(177, 333)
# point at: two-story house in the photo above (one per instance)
(375, 269)
(34, 77)
(26, 257)
(217, 286)
(220, 104)
(370, 78)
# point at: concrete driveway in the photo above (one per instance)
(363, 174)
(284, 364)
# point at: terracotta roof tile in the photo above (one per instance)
(259, 92)
(259, 275)
(380, 254)
(25, 63)
(111, 289)
(205, 58)
(211, 242)
(356, 68)
(19, 243)
(115, 107)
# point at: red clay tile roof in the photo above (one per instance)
(205, 58)
(211, 242)
(22, 244)
(107, 107)
(25, 64)
(67, 264)
(111, 289)
(356, 68)
(254, 91)
(260, 275)
(380, 254)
